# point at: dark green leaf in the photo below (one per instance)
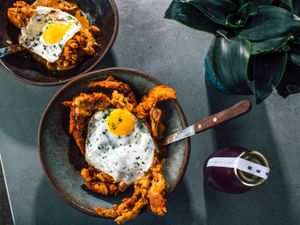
(190, 16)
(240, 18)
(230, 61)
(272, 45)
(262, 2)
(271, 22)
(296, 7)
(268, 70)
(256, 2)
(290, 84)
(286, 4)
(292, 89)
(224, 33)
(296, 39)
(294, 55)
(216, 10)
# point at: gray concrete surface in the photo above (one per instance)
(5, 211)
(174, 54)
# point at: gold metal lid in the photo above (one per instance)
(247, 178)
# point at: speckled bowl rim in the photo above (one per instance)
(187, 141)
(61, 82)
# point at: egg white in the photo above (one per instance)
(31, 35)
(125, 158)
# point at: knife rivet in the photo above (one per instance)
(215, 119)
(199, 126)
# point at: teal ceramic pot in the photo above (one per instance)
(210, 73)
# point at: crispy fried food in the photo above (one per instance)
(157, 192)
(120, 101)
(20, 14)
(151, 189)
(148, 190)
(130, 207)
(133, 212)
(155, 119)
(157, 94)
(111, 83)
(121, 87)
(97, 187)
(82, 107)
(66, 6)
(109, 213)
(101, 183)
(98, 182)
(83, 43)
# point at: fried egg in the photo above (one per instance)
(119, 144)
(48, 32)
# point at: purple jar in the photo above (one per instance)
(235, 169)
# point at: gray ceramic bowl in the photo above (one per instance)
(61, 159)
(25, 68)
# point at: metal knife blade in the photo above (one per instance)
(10, 50)
(177, 136)
(6, 215)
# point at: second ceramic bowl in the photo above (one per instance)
(24, 67)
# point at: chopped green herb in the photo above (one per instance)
(113, 126)
(105, 115)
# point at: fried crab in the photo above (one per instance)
(54, 34)
(150, 189)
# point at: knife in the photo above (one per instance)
(10, 50)
(237, 110)
(6, 215)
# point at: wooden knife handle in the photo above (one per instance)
(237, 110)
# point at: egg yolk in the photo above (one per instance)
(120, 122)
(55, 32)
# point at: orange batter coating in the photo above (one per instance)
(151, 189)
(82, 108)
(20, 14)
(157, 94)
(118, 86)
(83, 43)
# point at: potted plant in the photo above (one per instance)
(256, 47)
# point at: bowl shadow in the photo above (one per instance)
(51, 209)
(266, 204)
